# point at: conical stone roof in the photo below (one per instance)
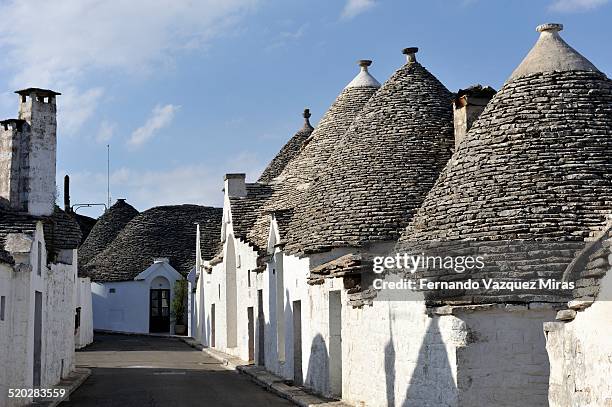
(299, 173)
(378, 175)
(163, 231)
(105, 230)
(535, 166)
(289, 150)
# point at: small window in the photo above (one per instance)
(2, 307)
(249, 277)
(238, 262)
(219, 291)
(111, 291)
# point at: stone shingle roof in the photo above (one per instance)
(289, 150)
(590, 266)
(60, 229)
(163, 231)
(86, 224)
(245, 211)
(299, 173)
(387, 161)
(106, 230)
(536, 165)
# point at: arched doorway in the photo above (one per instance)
(159, 305)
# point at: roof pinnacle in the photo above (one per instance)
(410, 53)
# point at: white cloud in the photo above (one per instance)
(568, 6)
(160, 117)
(62, 44)
(76, 106)
(352, 8)
(106, 131)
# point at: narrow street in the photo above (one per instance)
(157, 371)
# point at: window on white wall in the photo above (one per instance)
(2, 307)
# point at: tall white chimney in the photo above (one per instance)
(28, 154)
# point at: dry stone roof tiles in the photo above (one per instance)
(60, 230)
(163, 231)
(85, 224)
(245, 211)
(590, 266)
(289, 150)
(536, 166)
(106, 230)
(379, 173)
(299, 173)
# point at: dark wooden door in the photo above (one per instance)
(212, 325)
(159, 315)
(261, 323)
(297, 342)
(38, 308)
(251, 329)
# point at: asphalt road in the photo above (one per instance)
(152, 371)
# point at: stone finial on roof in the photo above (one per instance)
(551, 53)
(363, 78)
(307, 115)
(410, 53)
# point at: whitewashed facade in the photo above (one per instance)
(40, 291)
(123, 306)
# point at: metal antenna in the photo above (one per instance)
(108, 199)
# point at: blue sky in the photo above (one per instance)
(185, 91)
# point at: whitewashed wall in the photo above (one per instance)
(127, 309)
(580, 353)
(18, 284)
(212, 289)
(476, 358)
(58, 324)
(84, 335)
(392, 353)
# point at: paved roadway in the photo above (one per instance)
(156, 371)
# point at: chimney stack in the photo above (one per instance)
(67, 194)
(467, 106)
(235, 185)
(28, 154)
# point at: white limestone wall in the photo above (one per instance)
(84, 335)
(126, 309)
(295, 272)
(212, 289)
(580, 353)
(17, 354)
(58, 324)
(10, 290)
(18, 284)
(398, 353)
(410, 356)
